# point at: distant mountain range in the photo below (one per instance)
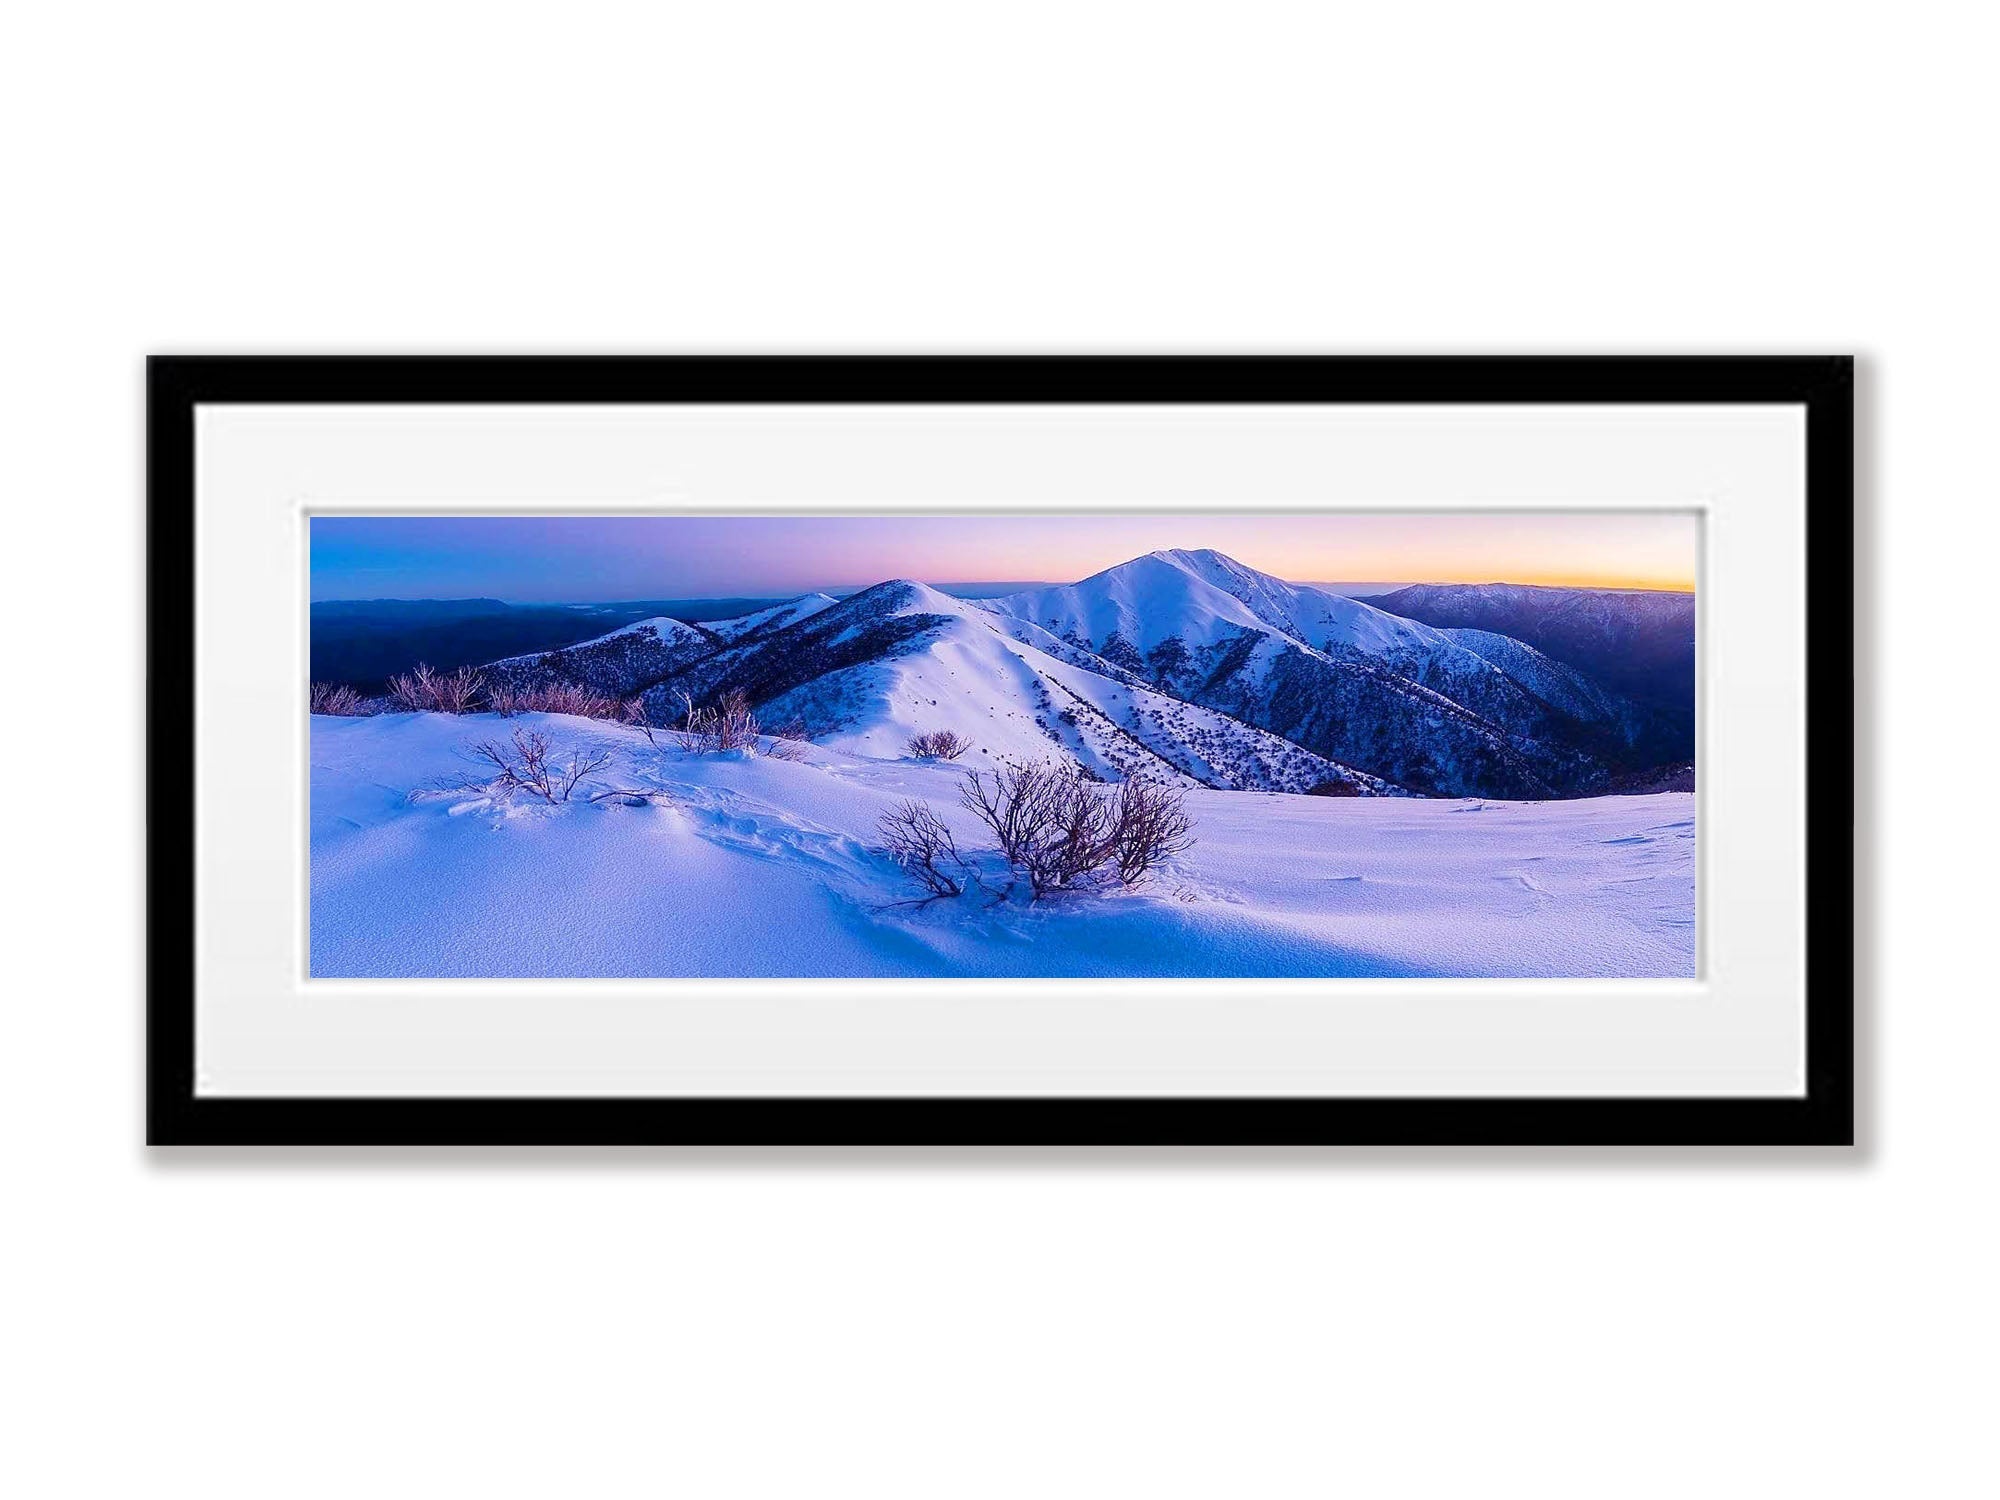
(1638, 645)
(1190, 666)
(363, 642)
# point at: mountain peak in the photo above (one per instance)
(1196, 558)
(1204, 596)
(899, 596)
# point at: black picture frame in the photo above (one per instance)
(1823, 1115)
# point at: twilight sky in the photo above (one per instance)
(588, 559)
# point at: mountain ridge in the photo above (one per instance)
(1181, 663)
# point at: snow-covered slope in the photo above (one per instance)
(1178, 664)
(873, 669)
(1635, 642)
(775, 618)
(1635, 645)
(1207, 601)
(958, 673)
(1559, 686)
(901, 659)
(1310, 615)
(1203, 597)
(760, 867)
(617, 664)
(1343, 679)
(1143, 601)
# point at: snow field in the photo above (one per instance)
(743, 866)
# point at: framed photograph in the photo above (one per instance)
(1001, 750)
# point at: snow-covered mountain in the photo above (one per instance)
(1141, 603)
(900, 659)
(1635, 644)
(1338, 676)
(1559, 686)
(1204, 599)
(764, 621)
(620, 663)
(1182, 665)
(1308, 614)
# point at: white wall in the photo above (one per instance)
(1525, 177)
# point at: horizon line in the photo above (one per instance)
(842, 590)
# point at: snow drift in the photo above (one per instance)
(737, 866)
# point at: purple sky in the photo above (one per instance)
(581, 559)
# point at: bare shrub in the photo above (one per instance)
(728, 725)
(1016, 805)
(526, 766)
(693, 733)
(1152, 826)
(581, 764)
(1052, 825)
(636, 715)
(939, 744)
(1055, 825)
(426, 691)
(735, 725)
(789, 741)
(337, 699)
(1333, 787)
(1082, 836)
(918, 841)
(554, 698)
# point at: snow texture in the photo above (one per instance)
(737, 866)
(767, 621)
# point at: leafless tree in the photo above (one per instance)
(918, 840)
(939, 744)
(426, 691)
(339, 700)
(1152, 826)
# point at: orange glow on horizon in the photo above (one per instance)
(1650, 551)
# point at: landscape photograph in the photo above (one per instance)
(1119, 745)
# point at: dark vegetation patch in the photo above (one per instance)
(618, 665)
(858, 630)
(365, 642)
